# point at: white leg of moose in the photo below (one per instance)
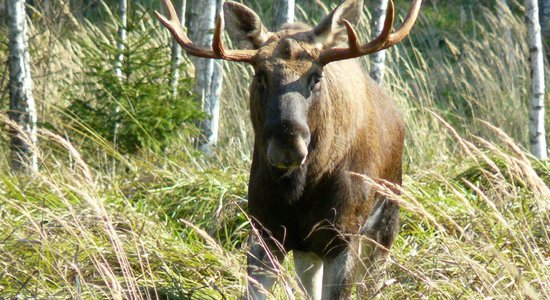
(263, 265)
(338, 275)
(309, 268)
(379, 231)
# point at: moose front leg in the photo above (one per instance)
(309, 268)
(379, 231)
(263, 266)
(338, 275)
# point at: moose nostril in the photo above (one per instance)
(286, 156)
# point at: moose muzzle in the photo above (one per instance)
(287, 143)
(286, 131)
(287, 156)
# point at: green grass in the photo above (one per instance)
(97, 224)
(91, 236)
(179, 231)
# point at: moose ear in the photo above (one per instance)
(244, 26)
(331, 30)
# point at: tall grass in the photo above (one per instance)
(173, 225)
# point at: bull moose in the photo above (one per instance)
(318, 118)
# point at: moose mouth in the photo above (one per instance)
(287, 157)
(288, 165)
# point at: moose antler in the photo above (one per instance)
(218, 51)
(385, 40)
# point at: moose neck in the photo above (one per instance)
(341, 114)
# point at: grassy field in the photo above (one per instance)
(95, 223)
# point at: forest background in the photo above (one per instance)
(139, 212)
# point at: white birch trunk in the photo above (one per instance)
(208, 72)
(283, 12)
(22, 105)
(537, 133)
(377, 24)
(176, 54)
(123, 13)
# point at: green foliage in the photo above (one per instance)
(178, 230)
(213, 200)
(88, 228)
(140, 103)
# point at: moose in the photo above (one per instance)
(318, 120)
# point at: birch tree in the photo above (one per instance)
(123, 15)
(283, 12)
(537, 133)
(377, 24)
(208, 72)
(22, 105)
(176, 54)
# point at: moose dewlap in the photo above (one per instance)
(319, 120)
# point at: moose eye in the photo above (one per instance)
(314, 80)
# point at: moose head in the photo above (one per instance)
(288, 65)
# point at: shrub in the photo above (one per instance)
(139, 103)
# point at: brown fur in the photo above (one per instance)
(316, 122)
(311, 133)
(355, 127)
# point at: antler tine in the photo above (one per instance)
(407, 25)
(217, 42)
(217, 51)
(380, 41)
(231, 55)
(352, 37)
(384, 40)
(173, 24)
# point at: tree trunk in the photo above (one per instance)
(377, 24)
(22, 105)
(537, 133)
(283, 13)
(176, 54)
(208, 72)
(123, 13)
